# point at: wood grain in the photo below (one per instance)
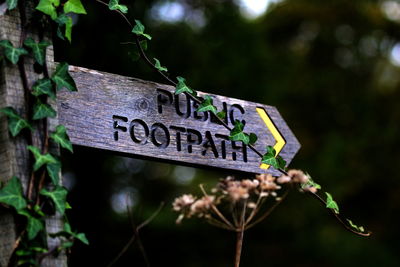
(142, 118)
(15, 159)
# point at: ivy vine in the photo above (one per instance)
(31, 246)
(40, 202)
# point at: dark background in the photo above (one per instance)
(328, 66)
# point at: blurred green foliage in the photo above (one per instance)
(328, 68)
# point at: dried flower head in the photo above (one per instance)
(183, 202)
(298, 176)
(202, 206)
(236, 191)
(267, 182)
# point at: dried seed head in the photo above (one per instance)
(283, 179)
(183, 202)
(298, 176)
(202, 206)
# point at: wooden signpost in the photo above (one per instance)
(142, 118)
(129, 116)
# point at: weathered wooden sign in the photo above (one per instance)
(144, 118)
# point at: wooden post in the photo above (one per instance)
(15, 159)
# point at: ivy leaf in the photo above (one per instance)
(65, 245)
(60, 136)
(48, 7)
(74, 6)
(43, 87)
(135, 55)
(11, 194)
(272, 159)
(138, 29)
(82, 237)
(114, 5)
(12, 53)
(253, 138)
(331, 204)
(12, 4)
(181, 87)
(310, 183)
(207, 105)
(58, 196)
(38, 49)
(64, 20)
(237, 133)
(41, 159)
(158, 65)
(267, 159)
(15, 122)
(221, 115)
(358, 228)
(62, 78)
(67, 233)
(38, 211)
(42, 110)
(30, 251)
(53, 169)
(33, 227)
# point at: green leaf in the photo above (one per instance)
(82, 237)
(138, 29)
(31, 251)
(42, 110)
(158, 65)
(38, 211)
(267, 159)
(41, 159)
(66, 245)
(114, 5)
(310, 183)
(60, 136)
(38, 49)
(53, 170)
(67, 228)
(43, 87)
(48, 7)
(15, 122)
(207, 105)
(12, 195)
(58, 196)
(237, 133)
(12, 53)
(79, 236)
(272, 159)
(221, 115)
(64, 20)
(11, 4)
(253, 138)
(33, 227)
(62, 78)
(181, 87)
(74, 6)
(331, 204)
(358, 228)
(67, 233)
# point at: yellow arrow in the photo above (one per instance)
(280, 142)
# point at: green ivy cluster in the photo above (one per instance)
(32, 242)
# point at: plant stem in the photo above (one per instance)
(239, 244)
(239, 235)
